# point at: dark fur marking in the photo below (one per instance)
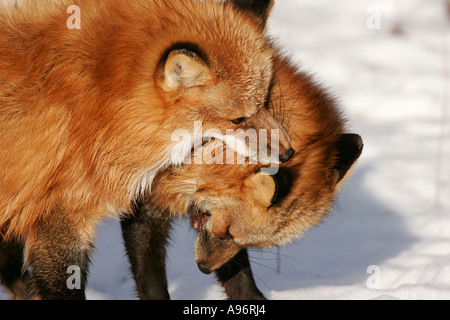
(283, 184)
(188, 49)
(350, 147)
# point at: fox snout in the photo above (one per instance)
(212, 252)
(284, 141)
(285, 157)
(279, 139)
(203, 268)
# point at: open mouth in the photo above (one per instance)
(199, 219)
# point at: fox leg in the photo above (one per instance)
(237, 279)
(11, 265)
(146, 237)
(57, 257)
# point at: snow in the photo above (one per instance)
(388, 236)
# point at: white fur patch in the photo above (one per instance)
(247, 144)
(250, 144)
(144, 181)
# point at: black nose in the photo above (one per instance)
(203, 269)
(287, 155)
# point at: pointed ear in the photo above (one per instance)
(263, 188)
(185, 69)
(259, 9)
(350, 147)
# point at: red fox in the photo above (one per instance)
(87, 115)
(234, 207)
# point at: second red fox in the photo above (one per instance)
(234, 207)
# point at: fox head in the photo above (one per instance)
(222, 85)
(272, 210)
(234, 207)
(239, 206)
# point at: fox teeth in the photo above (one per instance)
(199, 220)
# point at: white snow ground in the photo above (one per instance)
(389, 236)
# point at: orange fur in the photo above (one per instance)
(85, 115)
(238, 198)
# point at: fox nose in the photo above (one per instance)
(287, 155)
(203, 269)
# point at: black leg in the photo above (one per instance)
(237, 279)
(11, 265)
(57, 257)
(146, 236)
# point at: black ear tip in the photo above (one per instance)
(350, 147)
(357, 142)
(253, 3)
(259, 9)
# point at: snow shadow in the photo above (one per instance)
(361, 232)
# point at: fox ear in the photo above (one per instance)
(263, 188)
(260, 9)
(350, 147)
(185, 69)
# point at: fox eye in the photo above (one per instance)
(238, 121)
